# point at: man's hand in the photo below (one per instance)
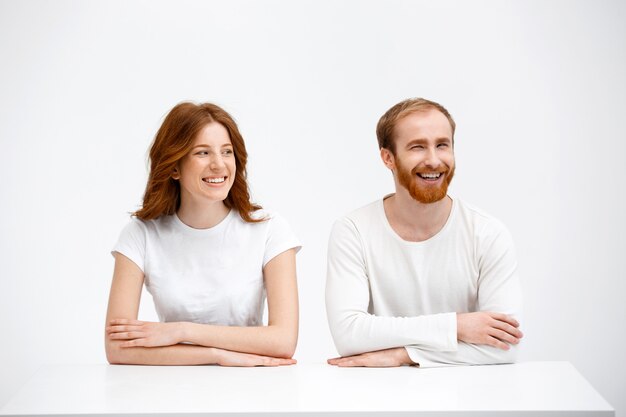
(379, 359)
(488, 328)
(144, 333)
(230, 358)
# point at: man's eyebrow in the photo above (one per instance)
(421, 141)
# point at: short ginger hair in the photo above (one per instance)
(387, 123)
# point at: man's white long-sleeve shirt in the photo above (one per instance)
(384, 292)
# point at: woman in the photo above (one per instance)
(206, 254)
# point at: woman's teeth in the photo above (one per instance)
(214, 180)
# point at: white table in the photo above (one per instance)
(531, 388)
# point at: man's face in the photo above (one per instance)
(424, 158)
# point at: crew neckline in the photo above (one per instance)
(385, 220)
(192, 230)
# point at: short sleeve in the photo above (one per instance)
(132, 243)
(280, 237)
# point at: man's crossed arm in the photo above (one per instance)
(496, 330)
(488, 336)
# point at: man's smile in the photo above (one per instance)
(430, 176)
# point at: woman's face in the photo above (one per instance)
(207, 172)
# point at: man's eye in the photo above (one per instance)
(417, 147)
(443, 145)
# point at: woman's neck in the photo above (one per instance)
(202, 216)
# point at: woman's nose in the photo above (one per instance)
(216, 163)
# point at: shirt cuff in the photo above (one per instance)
(448, 342)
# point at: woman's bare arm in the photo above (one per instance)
(124, 301)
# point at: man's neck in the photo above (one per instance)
(414, 221)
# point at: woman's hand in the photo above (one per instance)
(137, 333)
(230, 358)
(144, 333)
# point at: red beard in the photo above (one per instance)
(424, 193)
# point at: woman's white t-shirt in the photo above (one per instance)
(210, 276)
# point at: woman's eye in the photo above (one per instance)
(228, 152)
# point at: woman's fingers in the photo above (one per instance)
(126, 335)
(120, 329)
(116, 322)
(134, 343)
(269, 361)
(230, 358)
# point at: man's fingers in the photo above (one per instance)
(348, 362)
(341, 360)
(344, 361)
(504, 337)
(505, 318)
(492, 341)
(513, 331)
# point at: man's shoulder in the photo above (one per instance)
(361, 220)
(478, 219)
(365, 212)
(364, 215)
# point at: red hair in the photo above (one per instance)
(387, 123)
(173, 142)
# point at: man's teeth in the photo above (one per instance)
(431, 176)
(215, 180)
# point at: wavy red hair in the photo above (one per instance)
(174, 141)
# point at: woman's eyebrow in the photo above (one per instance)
(225, 145)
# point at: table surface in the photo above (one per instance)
(528, 388)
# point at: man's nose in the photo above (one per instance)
(432, 160)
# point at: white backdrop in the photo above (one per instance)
(537, 89)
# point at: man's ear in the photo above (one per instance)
(388, 159)
(175, 174)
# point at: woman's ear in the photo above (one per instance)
(175, 174)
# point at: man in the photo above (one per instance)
(421, 278)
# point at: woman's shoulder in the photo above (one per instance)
(267, 220)
(268, 217)
(138, 225)
(264, 215)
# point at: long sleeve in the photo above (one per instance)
(353, 328)
(498, 291)
(466, 354)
